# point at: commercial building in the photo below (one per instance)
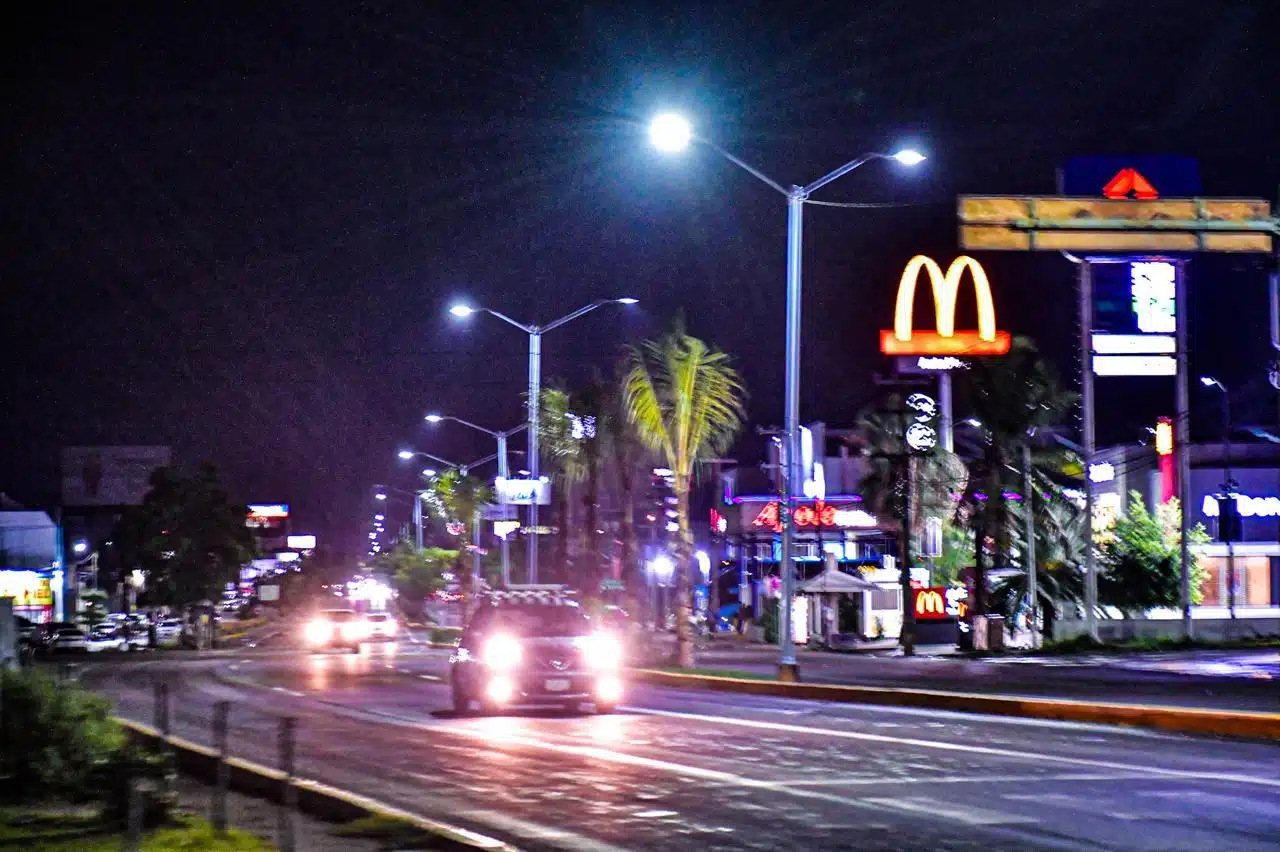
(31, 564)
(1254, 558)
(831, 520)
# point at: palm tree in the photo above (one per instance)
(937, 476)
(565, 455)
(594, 407)
(1061, 536)
(685, 402)
(628, 454)
(456, 497)
(1011, 398)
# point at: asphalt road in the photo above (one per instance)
(683, 769)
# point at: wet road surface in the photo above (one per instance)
(684, 769)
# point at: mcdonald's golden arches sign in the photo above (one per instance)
(945, 340)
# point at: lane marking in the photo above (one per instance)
(1079, 803)
(963, 814)
(533, 831)
(881, 781)
(1023, 756)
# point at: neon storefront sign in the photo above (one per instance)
(1249, 506)
(818, 516)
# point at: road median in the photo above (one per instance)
(322, 801)
(1227, 723)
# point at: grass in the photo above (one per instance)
(63, 830)
(392, 833)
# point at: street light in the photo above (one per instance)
(502, 471)
(671, 133)
(535, 333)
(405, 455)
(80, 547)
(428, 472)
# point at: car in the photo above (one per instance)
(26, 630)
(169, 631)
(336, 628)
(523, 648)
(69, 638)
(107, 637)
(381, 625)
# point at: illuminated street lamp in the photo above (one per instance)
(535, 333)
(80, 547)
(673, 133)
(1228, 493)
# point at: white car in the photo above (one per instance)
(381, 625)
(106, 637)
(169, 632)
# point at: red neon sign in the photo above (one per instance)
(1129, 183)
(815, 516)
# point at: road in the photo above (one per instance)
(684, 769)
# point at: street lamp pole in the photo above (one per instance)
(1228, 492)
(535, 333)
(672, 133)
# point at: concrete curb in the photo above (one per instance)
(1227, 723)
(318, 800)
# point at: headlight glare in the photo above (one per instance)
(502, 652)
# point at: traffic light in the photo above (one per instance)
(1229, 527)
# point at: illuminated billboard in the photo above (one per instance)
(301, 542)
(266, 516)
(1135, 318)
(946, 340)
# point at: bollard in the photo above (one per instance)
(221, 712)
(161, 692)
(133, 831)
(289, 793)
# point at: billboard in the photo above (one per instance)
(109, 476)
(266, 516)
(946, 340)
(301, 542)
(1135, 318)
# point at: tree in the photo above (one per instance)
(1139, 565)
(565, 456)
(1061, 538)
(593, 410)
(686, 403)
(416, 574)
(937, 476)
(187, 537)
(456, 497)
(1011, 398)
(628, 453)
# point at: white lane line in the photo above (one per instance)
(882, 781)
(963, 814)
(965, 748)
(1079, 803)
(435, 678)
(655, 814)
(1218, 802)
(533, 831)
(727, 778)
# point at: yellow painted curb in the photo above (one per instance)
(330, 804)
(1228, 723)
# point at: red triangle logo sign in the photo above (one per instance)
(1129, 183)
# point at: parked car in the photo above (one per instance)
(106, 637)
(169, 632)
(69, 638)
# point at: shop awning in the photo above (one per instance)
(833, 581)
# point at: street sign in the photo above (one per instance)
(523, 492)
(1101, 225)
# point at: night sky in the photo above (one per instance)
(237, 230)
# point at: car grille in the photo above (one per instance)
(553, 659)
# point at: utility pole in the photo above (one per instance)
(907, 480)
(1028, 502)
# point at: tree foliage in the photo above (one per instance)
(416, 574)
(1140, 565)
(457, 497)
(685, 402)
(187, 537)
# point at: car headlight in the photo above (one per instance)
(601, 651)
(502, 652)
(318, 631)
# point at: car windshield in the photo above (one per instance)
(338, 615)
(379, 616)
(171, 624)
(540, 620)
(71, 632)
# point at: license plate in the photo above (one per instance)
(558, 684)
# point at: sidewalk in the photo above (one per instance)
(1247, 681)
